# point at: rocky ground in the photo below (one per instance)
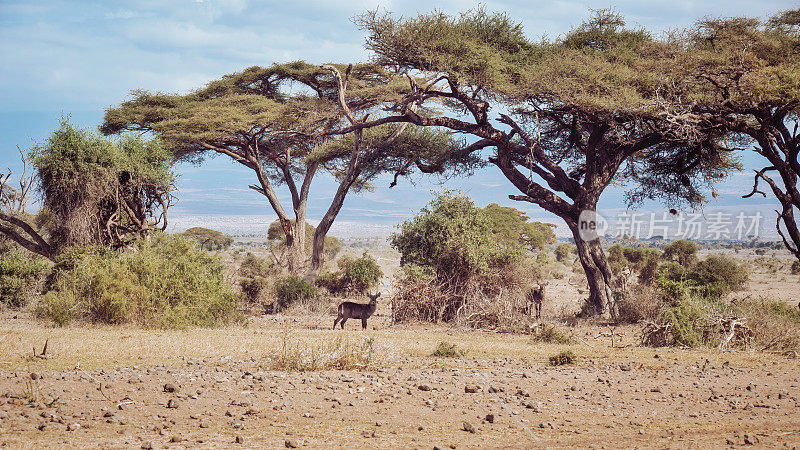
(612, 397)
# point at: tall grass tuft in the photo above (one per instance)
(339, 353)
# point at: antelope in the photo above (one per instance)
(535, 296)
(352, 310)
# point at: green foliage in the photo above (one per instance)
(567, 357)
(18, 277)
(683, 317)
(511, 226)
(450, 257)
(563, 251)
(98, 191)
(445, 350)
(291, 289)
(355, 275)
(453, 237)
(718, 275)
(682, 252)
(209, 239)
(256, 276)
(795, 267)
(165, 283)
(640, 260)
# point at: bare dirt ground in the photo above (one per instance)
(109, 390)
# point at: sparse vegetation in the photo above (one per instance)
(567, 357)
(445, 350)
(339, 353)
(549, 333)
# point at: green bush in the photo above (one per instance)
(355, 275)
(718, 275)
(291, 289)
(18, 278)
(796, 268)
(166, 283)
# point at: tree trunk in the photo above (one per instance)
(326, 222)
(598, 273)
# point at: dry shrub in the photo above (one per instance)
(775, 325)
(339, 353)
(638, 304)
(496, 302)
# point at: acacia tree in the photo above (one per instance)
(744, 74)
(274, 121)
(94, 192)
(565, 118)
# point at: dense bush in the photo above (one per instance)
(455, 267)
(796, 268)
(165, 283)
(291, 289)
(355, 275)
(718, 275)
(18, 278)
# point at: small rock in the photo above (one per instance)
(470, 389)
(466, 426)
(172, 403)
(176, 438)
(147, 445)
(169, 387)
(424, 387)
(490, 418)
(239, 440)
(73, 426)
(291, 443)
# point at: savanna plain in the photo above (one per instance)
(268, 383)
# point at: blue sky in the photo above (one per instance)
(81, 57)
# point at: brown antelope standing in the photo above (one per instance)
(534, 297)
(352, 310)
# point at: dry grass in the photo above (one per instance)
(95, 347)
(343, 352)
